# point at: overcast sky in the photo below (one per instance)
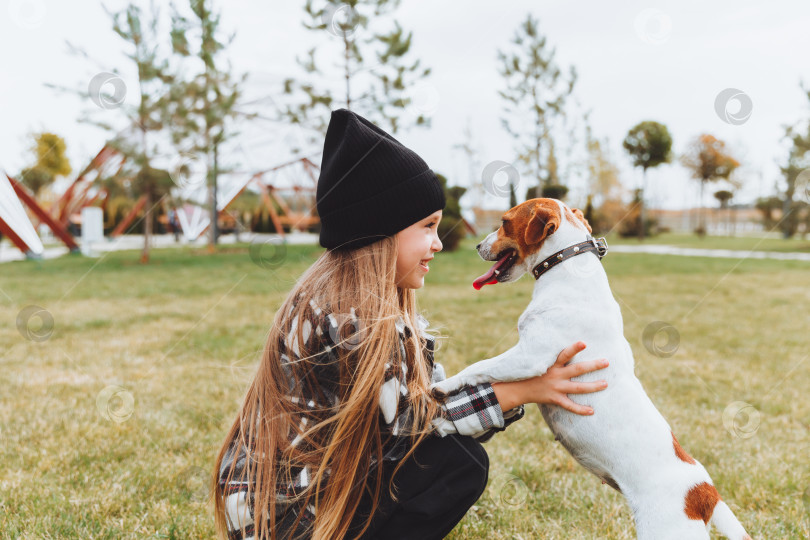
(665, 61)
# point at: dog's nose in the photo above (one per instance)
(478, 246)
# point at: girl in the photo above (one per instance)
(338, 436)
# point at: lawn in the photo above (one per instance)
(112, 415)
(742, 242)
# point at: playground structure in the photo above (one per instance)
(300, 217)
(14, 222)
(195, 220)
(296, 200)
(287, 191)
(21, 230)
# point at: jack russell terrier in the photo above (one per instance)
(625, 442)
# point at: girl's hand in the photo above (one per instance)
(554, 384)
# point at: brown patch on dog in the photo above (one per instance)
(578, 213)
(577, 219)
(680, 452)
(438, 395)
(543, 219)
(746, 537)
(700, 501)
(570, 217)
(526, 226)
(607, 479)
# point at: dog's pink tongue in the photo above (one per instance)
(489, 278)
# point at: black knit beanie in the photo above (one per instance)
(371, 186)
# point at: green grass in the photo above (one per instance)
(182, 336)
(742, 242)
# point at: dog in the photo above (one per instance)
(626, 442)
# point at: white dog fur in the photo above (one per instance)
(626, 442)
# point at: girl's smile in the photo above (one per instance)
(413, 243)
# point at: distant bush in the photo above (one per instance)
(551, 191)
(604, 219)
(451, 231)
(630, 226)
(451, 228)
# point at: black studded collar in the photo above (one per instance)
(598, 246)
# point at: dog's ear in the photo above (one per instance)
(545, 219)
(577, 212)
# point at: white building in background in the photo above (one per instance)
(736, 220)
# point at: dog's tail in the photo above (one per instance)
(727, 523)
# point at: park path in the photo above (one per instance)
(9, 252)
(660, 249)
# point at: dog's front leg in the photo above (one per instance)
(512, 365)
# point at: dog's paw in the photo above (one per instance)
(441, 389)
(437, 394)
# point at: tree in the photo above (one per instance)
(140, 32)
(553, 191)
(649, 145)
(767, 206)
(156, 185)
(603, 175)
(708, 161)
(535, 95)
(50, 161)
(200, 108)
(471, 153)
(631, 220)
(796, 172)
(137, 141)
(451, 228)
(385, 84)
(723, 196)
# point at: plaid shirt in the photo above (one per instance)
(472, 411)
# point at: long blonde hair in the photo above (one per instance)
(339, 439)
